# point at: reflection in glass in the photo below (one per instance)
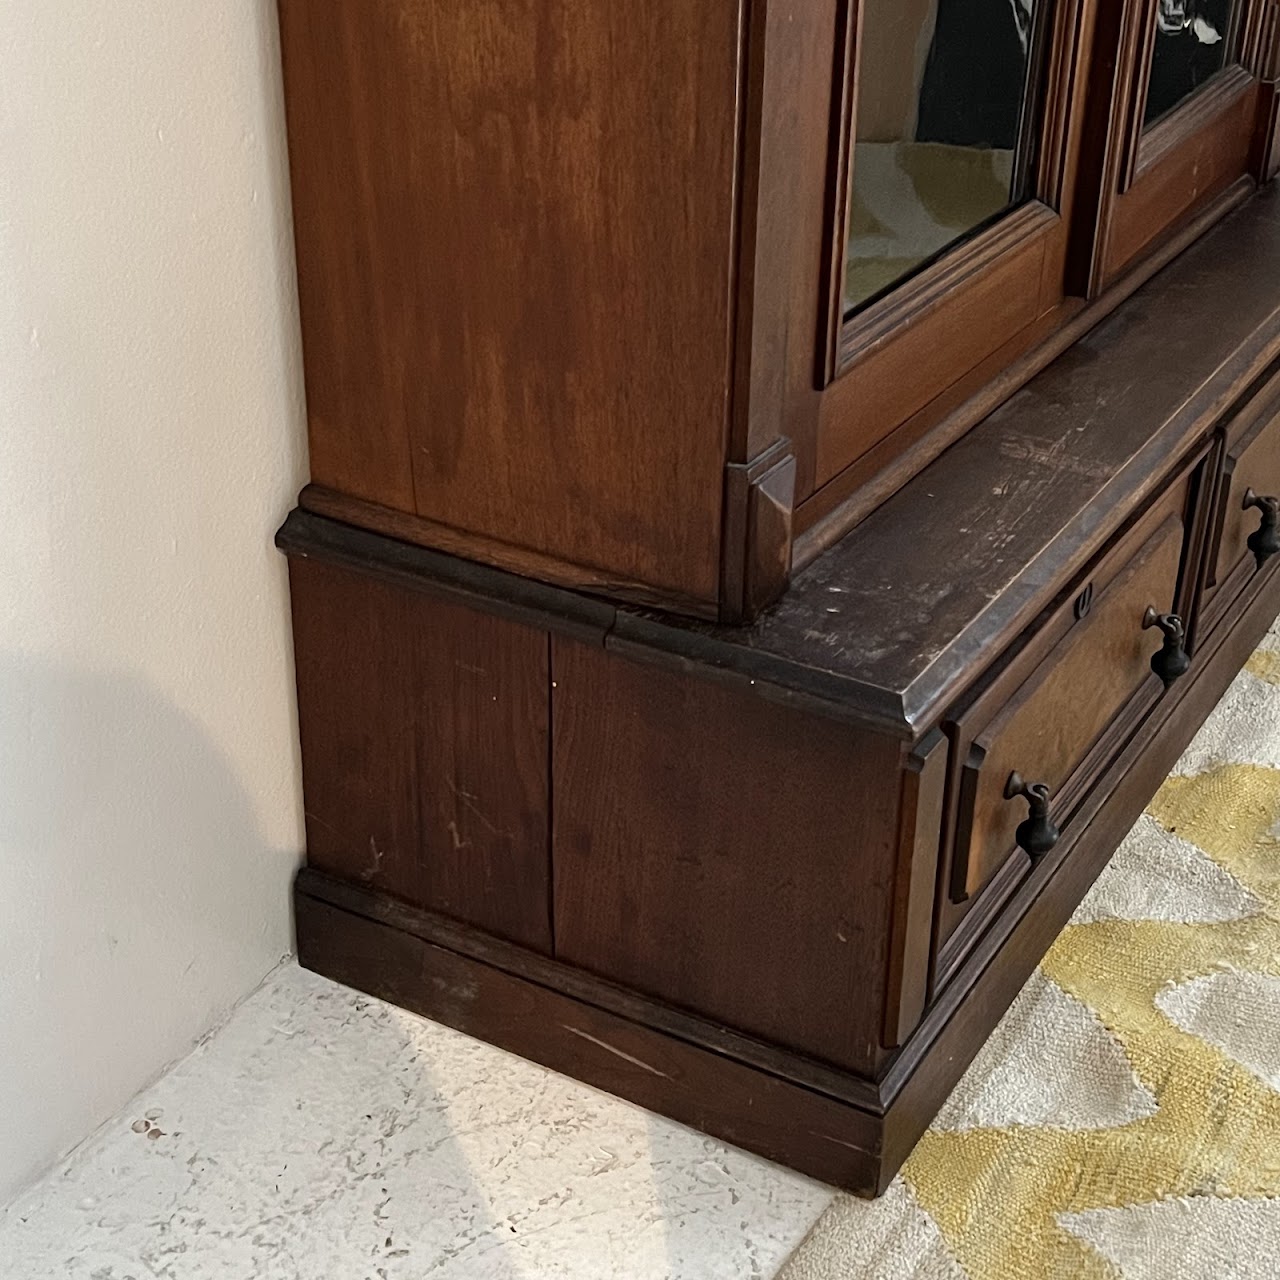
(944, 130)
(1193, 41)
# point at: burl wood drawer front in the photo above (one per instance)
(1248, 512)
(1059, 727)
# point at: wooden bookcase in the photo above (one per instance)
(734, 431)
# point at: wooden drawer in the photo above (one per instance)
(1250, 471)
(1056, 715)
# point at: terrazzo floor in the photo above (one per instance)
(324, 1135)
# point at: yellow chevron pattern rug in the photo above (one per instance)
(1124, 1121)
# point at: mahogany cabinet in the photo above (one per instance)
(656, 300)
(789, 477)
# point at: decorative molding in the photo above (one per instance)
(759, 503)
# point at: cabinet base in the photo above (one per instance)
(836, 1126)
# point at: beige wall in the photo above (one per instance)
(151, 439)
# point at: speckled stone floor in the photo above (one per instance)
(322, 1135)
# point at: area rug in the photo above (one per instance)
(1124, 1121)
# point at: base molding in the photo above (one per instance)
(541, 971)
(710, 1092)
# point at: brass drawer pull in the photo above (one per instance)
(1172, 660)
(1265, 542)
(1038, 834)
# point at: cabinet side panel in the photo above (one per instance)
(515, 225)
(723, 853)
(424, 749)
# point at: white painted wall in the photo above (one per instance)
(151, 439)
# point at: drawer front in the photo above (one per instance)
(1056, 716)
(1251, 471)
(1086, 682)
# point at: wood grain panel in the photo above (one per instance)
(515, 231)
(908, 369)
(1048, 727)
(424, 749)
(1181, 180)
(723, 853)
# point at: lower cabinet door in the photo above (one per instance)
(1033, 740)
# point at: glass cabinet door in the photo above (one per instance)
(946, 130)
(957, 121)
(1193, 41)
(994, 167)
(1184, 110)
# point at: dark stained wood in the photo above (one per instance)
(500, 555)
(1137, 50)
(534, 967)
(781, 46)
(987, 303)
(1250, 445)
(1144, 183)
(1253, 463)
(835, 243)
(920, 1078)
(754, 888)
(770, 506)
(895, 622)
(1266, 143)
(823, 519)
(363, 938)
(828, 1140)
(424, 745)
(1060, 636)
(305, 536)
(1046, 729)
(924, 777)
(558, 272)
(898, 359)
(810, 168)
(515, 223)
(899, 617)
(759, 504)
(570, 295)
(1184, 176)
(1263, 58)
(831, 511)
(1220, 95)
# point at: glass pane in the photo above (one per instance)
(1195, 39)
(945, 133)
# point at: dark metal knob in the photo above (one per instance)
(1038, 834)
(1265, 542)
(1172, 660)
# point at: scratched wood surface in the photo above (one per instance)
(424, 749)
(730, 856)
(902, 613)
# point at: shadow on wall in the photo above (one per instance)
(126, 841)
